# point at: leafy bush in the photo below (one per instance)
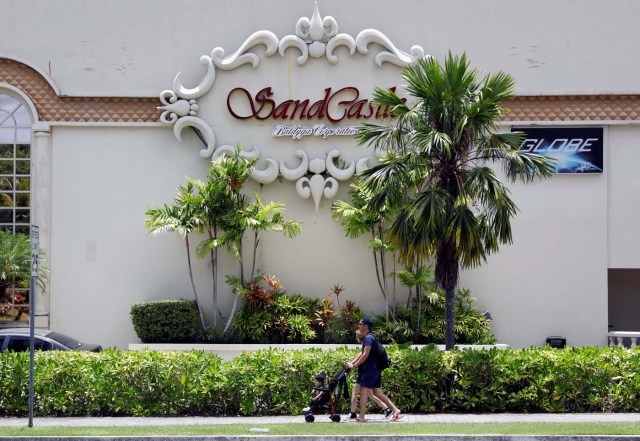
(471, 327)
(277, 382)
(166, 321)
(268, 315)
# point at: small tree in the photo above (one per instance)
(359, 218)
(15, 262)
(262, 218)
(184, 217)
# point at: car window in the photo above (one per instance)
(21, 344)
(18, 343)
(69, 342)
(2, 338)
(42, 345)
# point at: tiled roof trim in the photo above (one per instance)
(51, 107)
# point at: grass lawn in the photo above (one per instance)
(337, 429)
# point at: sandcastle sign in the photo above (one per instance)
(298, 99)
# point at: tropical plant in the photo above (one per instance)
(184, 217)
(447, 135)
(472, 327)
(417, 277)
(218, 208)
(260, 217)
(15, 269)
(268, 315)
(357, 217)
(223, 202)
(336, 325)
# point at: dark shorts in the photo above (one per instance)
(371, 378)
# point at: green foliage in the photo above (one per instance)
(15, 262)
(165, 321)
(445, 144)
(268, 315)
(278, 382)
(471, 327)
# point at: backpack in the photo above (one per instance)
(382, 361)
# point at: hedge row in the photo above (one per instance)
(271, 382)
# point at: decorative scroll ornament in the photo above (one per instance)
(319, 177)
(316, 37)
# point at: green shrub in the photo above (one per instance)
(278, 382)
(166, 321)
(471, 327)
(269, 315)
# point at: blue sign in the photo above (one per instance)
(574, 149)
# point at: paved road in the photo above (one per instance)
(410, 418)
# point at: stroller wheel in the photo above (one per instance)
(335, 418)
(309, 418)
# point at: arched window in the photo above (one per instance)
(15, 165)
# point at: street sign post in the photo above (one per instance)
(35, 256)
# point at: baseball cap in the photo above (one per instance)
(320, 377)
(367, 321)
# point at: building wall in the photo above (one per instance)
(122, 48)
(570, 229)
(624, 186)
(552, 280)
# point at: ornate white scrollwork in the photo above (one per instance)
(205, 130)
(340, 40)
(319, 184)
(393, 55)
(240, 56)
(339, 173)
(200, 89)
(316, 29)
(314, 37)
(299, 171)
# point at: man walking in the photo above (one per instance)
(371, 379)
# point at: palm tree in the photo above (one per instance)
(256, 217)
(184, 217)
(260, 217)
(216, 206)
(447, 133)
(417, 276)
(224, 203)
(15, 262)
(357, 218)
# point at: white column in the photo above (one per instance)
(41, 207)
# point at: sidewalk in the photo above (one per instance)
(408, 418)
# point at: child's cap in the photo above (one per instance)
(320, 377)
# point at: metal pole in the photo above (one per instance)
(35, 252)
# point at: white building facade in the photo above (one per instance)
(82, 83)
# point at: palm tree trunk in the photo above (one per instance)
(395, 301)
(385, 292)
(449, 335)
(419, 297)
(375, 261)
(446, 276)
(255, 251)
(213, 254)
(193, 285)
(237, 296)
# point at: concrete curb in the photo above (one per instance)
(334, 438)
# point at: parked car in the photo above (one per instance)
(17, 339)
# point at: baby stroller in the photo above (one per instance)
(330, 395)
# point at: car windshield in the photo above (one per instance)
(64, 339)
